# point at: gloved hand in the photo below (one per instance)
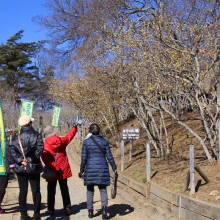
(80, 174)
(75, 125)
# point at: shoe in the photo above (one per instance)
(37, 216)
(51, 212)
(90, 211)
(104, 212)
(2, 211)
(27, 217)
(67, 211)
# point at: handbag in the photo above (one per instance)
(47, 173)
(30, 168)
(114, 185)
(115, 176)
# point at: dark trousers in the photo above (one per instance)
(51, 192)
(34, 180)
(90, 195)
(3, 186)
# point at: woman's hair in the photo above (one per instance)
(94, 129)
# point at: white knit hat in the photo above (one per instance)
(24, 120)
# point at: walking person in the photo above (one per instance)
(55, 158)
(32, 145)
(5, 177)
(95, 169)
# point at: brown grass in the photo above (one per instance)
(170, 172)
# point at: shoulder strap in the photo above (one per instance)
(19, 141)
(97, 145)
(56, 156)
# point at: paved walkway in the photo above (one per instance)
(119, 208)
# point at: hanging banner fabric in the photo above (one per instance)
(26, 108)
(56, 115)
(3, 145)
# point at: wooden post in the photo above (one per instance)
(130, 158)
(192, 170)
(201, 174)
(122, 155)
(148, 168)
(186, 185)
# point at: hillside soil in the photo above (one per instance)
(171, 171)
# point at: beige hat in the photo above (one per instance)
(50, 131)
(24, 120)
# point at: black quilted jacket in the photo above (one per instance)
(32, 144)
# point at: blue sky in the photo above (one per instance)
(16, 15)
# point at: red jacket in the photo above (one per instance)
(52, 145)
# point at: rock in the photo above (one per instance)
(213, 193)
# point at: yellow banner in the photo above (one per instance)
(56, 115)
(3, 145)
(27, 108)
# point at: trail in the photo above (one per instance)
(118, 208)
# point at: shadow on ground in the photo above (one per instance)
(117, 209)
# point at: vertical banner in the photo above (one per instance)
(26, 108)
(56, 115)
(3, 145)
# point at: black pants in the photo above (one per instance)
(51, 192)
(34, 180)
(3, 186)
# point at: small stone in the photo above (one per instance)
(217, 197)
(213, 193)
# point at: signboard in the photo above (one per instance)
(3, 145)
(26, 108)
(56, 115)
(131, 133)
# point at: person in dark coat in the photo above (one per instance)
(55, 145)
(4, 178)
(32, 144)
(94, 168)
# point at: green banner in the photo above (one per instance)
(26, 108)
(56, 115)
(3, 145)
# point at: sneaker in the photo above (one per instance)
(67, 211)
(2, 211)
(37, 216)
(27, 217)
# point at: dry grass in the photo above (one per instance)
(170, 172)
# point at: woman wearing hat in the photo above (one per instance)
(55, 147)
(32, 146)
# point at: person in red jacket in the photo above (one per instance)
(55, 145)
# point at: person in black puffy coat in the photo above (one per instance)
(94, 168)
(32, 144)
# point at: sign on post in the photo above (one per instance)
(26, 108)
(56, 115)
(131, 133)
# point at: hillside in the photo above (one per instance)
(170, 172)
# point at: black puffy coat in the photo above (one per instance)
(94, 164)
(32, 144)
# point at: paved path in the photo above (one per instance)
(119, 208)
